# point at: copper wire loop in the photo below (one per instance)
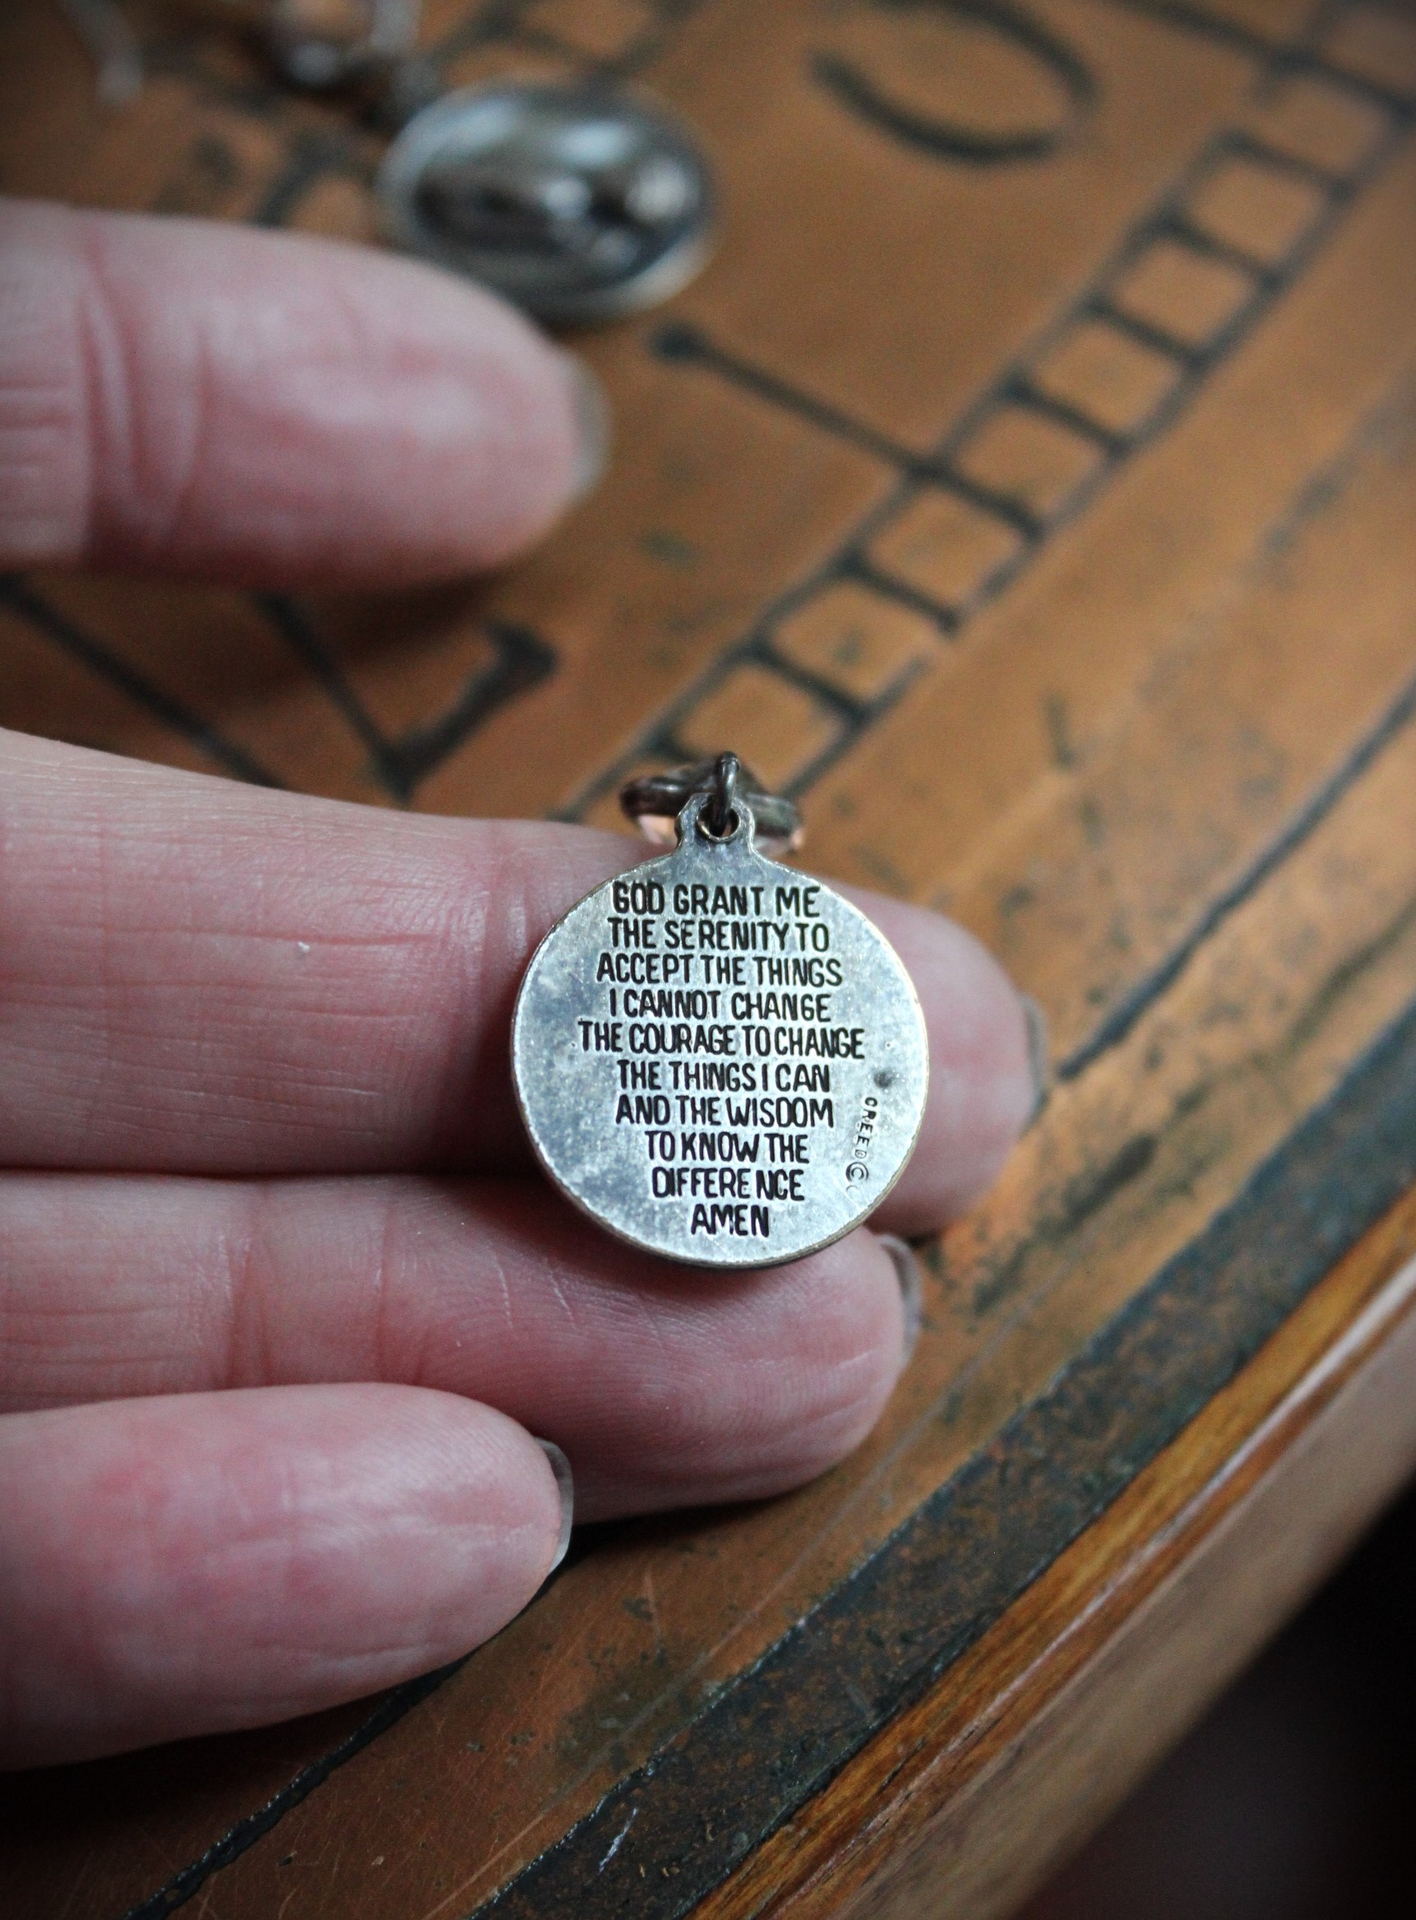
(720, 816)
(655, 800)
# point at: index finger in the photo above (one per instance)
(269, 408)
(197, 976)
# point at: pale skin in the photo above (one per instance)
(282, 1300)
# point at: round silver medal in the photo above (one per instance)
(718, 1058)
(577, 203)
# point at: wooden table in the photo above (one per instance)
(1030, 485)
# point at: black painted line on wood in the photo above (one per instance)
(107, 665)
(777, 1736)
(311, 157)
(809, 774)
(521, 660)
(668, 19)
(1165, 218)
(844, 708)
(656, 738)
(1365, 1164)
(244, 1834)
(1361, 85)
(1146, 333)
(890, 586)
(1013, 385)
(504, 23)
(1116, 1024)
(1180, 227)
(1204, 25)
(1023, 391)
(662, 740)
(1248, 146)
(300, 639)
(1302, 58)
(1119, 1022)
(1006, 507)
(690, 345)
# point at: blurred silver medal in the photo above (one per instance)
(576, 203)
(579, 203)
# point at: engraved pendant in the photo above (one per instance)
(717, 1058)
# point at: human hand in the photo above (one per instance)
(282, 1300)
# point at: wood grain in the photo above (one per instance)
(973, 1792)
(1030, 485)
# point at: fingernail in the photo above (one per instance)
(565, 1487)
(592, 426)
(911, 1282)
(1039, 1054)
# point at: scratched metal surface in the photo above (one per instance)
(1030, 486)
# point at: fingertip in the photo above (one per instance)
(1039, 1054)
(987, 1059)
(565, 1494)
(212, 1561)
(271, 409)
(902, 1258)
(753, 1385)
(590, 406)
(853, 1335)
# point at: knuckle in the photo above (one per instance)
(44, 463)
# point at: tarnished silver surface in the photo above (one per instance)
(575, 202)
(720, 1059)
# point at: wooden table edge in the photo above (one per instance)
(1119, 1645)
(983, 1639)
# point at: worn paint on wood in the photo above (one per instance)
(1030, 484)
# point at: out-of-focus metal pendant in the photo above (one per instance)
(718, 1058)
(577, 203)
